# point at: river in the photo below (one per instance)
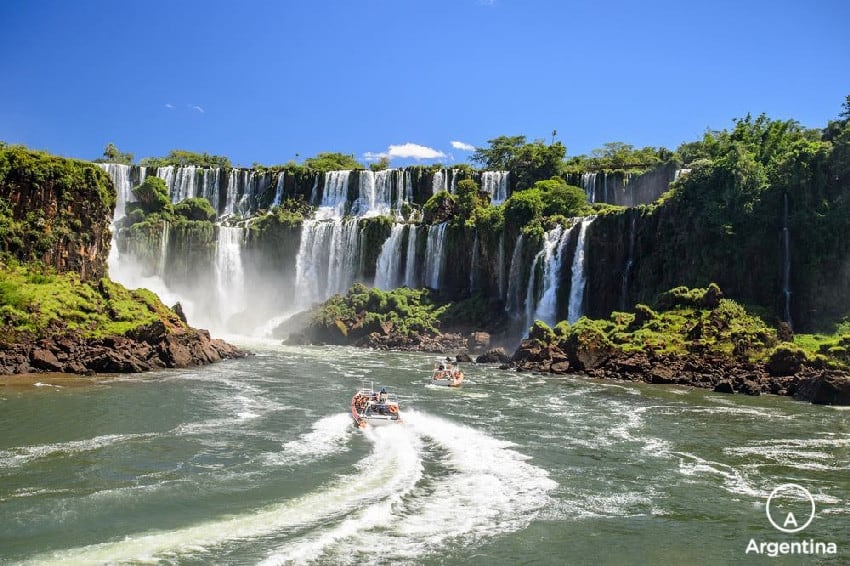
(256, 461)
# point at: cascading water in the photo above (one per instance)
(163, 250)
(553, 245)
(434, 259)
(410, 267)
(496, 183)
(388, 270)
(440, 181)
(500, 265)
(328, 253)
(627, 269)
(376, 191)
(334, 196)
(278, 193)
(578, 280)
(120, 175)
(786, 262)
(512, 299)
(473, 266)
(588, 183)
(229, 272)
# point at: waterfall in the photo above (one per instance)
(408, 186)
(786, 262)
(335, 195)
(501, 265)
(328, 253)
(588, 183)
(578, 279)
(529, 290)
(163, 250)
(679, 173)
(627, 270)
(376, 192)
(512, 297)
(388, 272)
(229, 273)
(120, 175)
(553, 245)
(440, 182)
(496, 183)
(209, 186)
(314, 191)
(473, 267)
(434, 259)
(232, 187)
(278, 193)
(410, 266)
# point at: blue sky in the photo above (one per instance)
(270, 82)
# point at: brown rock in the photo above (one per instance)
(45, 360)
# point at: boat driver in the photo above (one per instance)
(382, 396)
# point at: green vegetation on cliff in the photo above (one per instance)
(55, 210)
(689, 322)
(363, 310)
(182, 158)
(36, 300)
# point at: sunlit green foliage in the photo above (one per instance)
(527, 162)
(403, 310)
(35, 299)
(330, 161)
(151, 196)
(182, 158)
(112, 155)
(195, 209)
(687, 320)
(619, 156)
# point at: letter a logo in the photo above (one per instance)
(792, 494)
(790, 520)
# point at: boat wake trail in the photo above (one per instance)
(426, 486)
(470, 486)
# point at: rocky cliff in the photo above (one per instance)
(56, 211)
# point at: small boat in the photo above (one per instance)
(446, 375)
(370, 407)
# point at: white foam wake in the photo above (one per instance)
(481, 487)
(381, 478)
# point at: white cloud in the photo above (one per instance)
(169, 106)
(372, 156)
(415, 151)
(463, 146)
(196, 107)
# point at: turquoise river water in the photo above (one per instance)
(256, 461)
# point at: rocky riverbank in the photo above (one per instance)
(722, 374)
(146, 348)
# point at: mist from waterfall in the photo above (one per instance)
(229, 273)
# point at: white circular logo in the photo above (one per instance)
(795, 492)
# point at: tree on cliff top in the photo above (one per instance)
(112, 155)
(527, 162)
(329, 161)
(182, 158)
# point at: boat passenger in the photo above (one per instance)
(382, 397)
